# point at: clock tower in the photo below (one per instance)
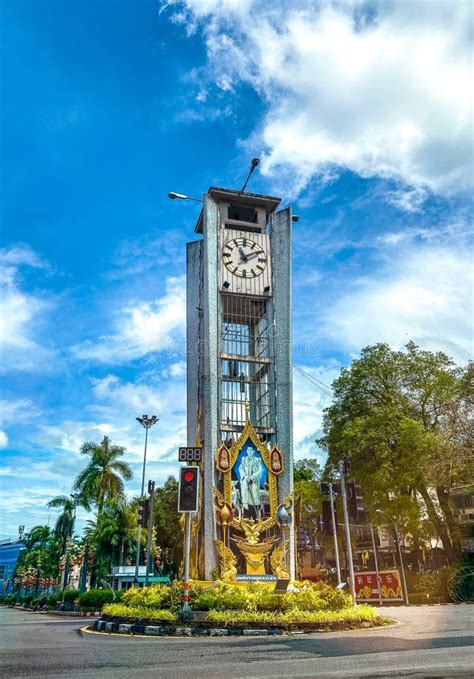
(239, 385)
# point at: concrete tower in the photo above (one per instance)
(238, 343)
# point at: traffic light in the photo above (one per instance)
(327, 517)
(143, 511)
(355, 503)
(188, 489)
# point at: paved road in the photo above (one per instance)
(435, 641)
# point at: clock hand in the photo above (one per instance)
(243, 256)
(254, 254)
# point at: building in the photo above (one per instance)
(9, 552)
(461, 499)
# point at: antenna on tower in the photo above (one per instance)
(253, 165)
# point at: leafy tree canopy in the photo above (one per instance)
(405, 419)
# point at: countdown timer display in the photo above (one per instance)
(190, 454)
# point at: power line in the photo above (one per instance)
(317, 383)
(312, 378)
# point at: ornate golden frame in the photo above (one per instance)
(249, 432)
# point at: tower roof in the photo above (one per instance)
(270, 203)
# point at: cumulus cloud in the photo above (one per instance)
(424, 295)
(311, 395)
(3, 439)
(381, 89)
(142, 328)
(22, 313)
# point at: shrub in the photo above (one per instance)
(225, 597)
(362, 613)
(141, 612)
(69, 596)
(232, 597)
(27, 599)
(261, 597)
(160, 596)
(95, 599)
(52, 600)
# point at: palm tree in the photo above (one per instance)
(103, 478)
(112, 535)
(38, 534)
(64, 527)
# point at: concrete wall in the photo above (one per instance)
(280, 234)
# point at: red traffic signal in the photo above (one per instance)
(188, 489)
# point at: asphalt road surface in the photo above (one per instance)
(435, 641)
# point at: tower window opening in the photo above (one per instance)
(242, 213)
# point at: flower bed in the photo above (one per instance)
(311, 606)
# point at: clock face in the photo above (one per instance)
(243, 257)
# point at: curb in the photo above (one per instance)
(168, 631)
(65, 614)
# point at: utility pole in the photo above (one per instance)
(400, 557)
(187, 548)
(376, 563)
(342, 471)
(334, 532)
(147, 423)
(188, 502)
(151, 491)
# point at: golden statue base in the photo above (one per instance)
(255, 555)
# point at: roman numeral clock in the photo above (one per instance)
(239, 386)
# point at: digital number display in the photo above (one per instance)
(190, 454)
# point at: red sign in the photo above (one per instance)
(367, 590)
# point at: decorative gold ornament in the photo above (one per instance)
(276, 461)
(255, 554)
(227, 561)
(278, 562)
(252, 528)
(248, 433)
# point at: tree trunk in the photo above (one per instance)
(416, 549)
(439, 525)
(122, 550)
(443, 499)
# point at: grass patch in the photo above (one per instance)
(139, 612)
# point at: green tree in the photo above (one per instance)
(112, 535)
(103, 477)
(41, 556)
(64, 527)
(169, 535)
(403, 419)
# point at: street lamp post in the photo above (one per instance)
(147, 423)
(172, 195)
(67, 566)
(342, 474)
(400, 556)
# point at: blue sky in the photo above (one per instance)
(362, 117)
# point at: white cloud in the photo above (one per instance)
(15, 412)
(424, 295)
(142, 328)
(309, 400)
(121, 402)
(22, 314)
(3, 439)
(383, 90)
